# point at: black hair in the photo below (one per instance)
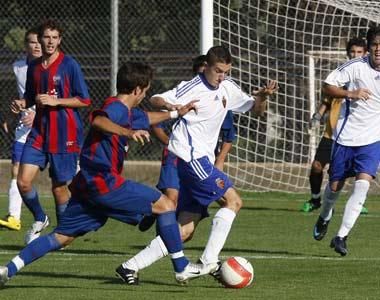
(199, 61)
(355, 41)
(49, 24)
(132, 75)
(371, 34)
(218, 54)
(33, 30)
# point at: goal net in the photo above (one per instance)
(297, 43)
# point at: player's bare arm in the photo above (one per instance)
(159, 102)
(261, 96)
(158, 117)
(45, 99)
(335, 91)
(105, 125)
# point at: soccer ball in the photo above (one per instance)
(236, 272)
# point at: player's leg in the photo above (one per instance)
(340, 169)
(168, 184)
(62, 169)
(366, 161)
(32, 160)
(322, 157)
(13, 218)
(78, 219)
(221, 226)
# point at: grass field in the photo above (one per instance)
(270, 232)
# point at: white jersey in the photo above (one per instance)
(20, 68)
(359, 120)
(196, 134)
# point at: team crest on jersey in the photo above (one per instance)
(56, 79)
(219, 183)
(224, 101)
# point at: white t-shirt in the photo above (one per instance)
(196, 134)
(20, 68)
(361, 125)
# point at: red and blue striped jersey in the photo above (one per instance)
(56, 129)
(102, 156)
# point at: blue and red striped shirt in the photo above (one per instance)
(56, 129)
(102, 156)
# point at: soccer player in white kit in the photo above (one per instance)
(356, 151)
(33, 51)
(193, 141)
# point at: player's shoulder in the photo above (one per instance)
(355, 63)
(185, 87)
(20, 63)
(228, 82)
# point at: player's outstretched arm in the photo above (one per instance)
(105, 125)
(158, 117)
(74, 102)
(159, 102)
(261, 97)
(338, 92)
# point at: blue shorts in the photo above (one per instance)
(62, 166)
(17, 149)
(168, 173)
(200, 185)
(128, 204)
(348, 161)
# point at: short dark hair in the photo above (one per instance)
(131, 75)
(199, 61)
(355, 41)
(33, 30)
(371, 34)
(49, 24)
(218, 54)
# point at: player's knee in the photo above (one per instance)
(164, 204)
(64, 240)
(316, 168)
(233, 201)
(23, 185)
(186, 234)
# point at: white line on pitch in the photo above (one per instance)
(68, 256)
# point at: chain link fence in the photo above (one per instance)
(163, 33)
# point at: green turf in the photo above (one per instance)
(270, 231)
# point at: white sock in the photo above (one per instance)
(149, 255)
(221, 226)
(329, 199)
(15, 200)
(18, 262)
(353, 206)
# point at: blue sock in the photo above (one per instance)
(33, 204)
(169, 232)
(36, 249)
(60, 209)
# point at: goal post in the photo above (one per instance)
(297, 43)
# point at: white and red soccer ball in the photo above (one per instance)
(236, 272)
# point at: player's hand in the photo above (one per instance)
(172, 107)
(360, 94)
(28, 118)
(45, 99)
(188, 107)
(268, 89)
(315, 120)
(17, 106)
(140, 136)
